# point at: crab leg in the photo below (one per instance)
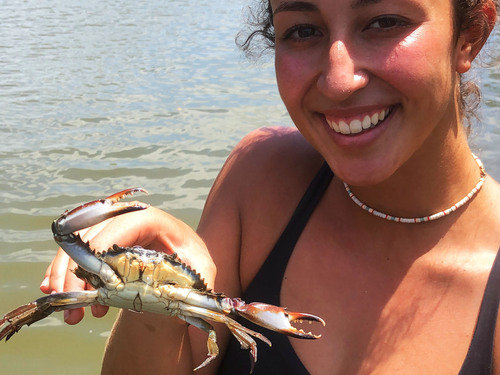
(272, 317)
(85, 216)
(213, 348)
(195, 315)
(42, 308)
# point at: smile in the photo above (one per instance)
(359, 125)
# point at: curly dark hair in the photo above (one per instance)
(469, 15)
(259, 37)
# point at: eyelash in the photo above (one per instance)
(396, 21)
(298, 28)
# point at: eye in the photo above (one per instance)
(387, 22)
(301, 33)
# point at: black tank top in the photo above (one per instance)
(281, 359)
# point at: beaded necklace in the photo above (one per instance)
(423, 219)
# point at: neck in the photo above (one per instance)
(426, 183)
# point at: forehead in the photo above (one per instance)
(292, 5)
(353, 3)
(439, 11)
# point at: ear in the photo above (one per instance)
(465, 54)
(472, 39)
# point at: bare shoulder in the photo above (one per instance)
(261, 162)
(267, 155)
(268, 173)
(253, 198)
(272, 145)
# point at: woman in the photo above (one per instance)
(374, 88)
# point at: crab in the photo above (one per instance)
(146, 280)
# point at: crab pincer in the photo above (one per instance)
(94, 212)
(86, 215)
(276, 318)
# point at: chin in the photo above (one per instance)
(362, 173)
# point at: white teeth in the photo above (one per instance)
(367, 122)
(344, 128)
(334, 126)
(357, 126)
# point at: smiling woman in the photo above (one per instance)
(467, 14)
(297, 217)
(371, 57)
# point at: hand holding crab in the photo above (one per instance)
(145, 280)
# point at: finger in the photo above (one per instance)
(71, 282)
(113, 231)
(99, 310)
(57, 273)
(74, 316)
(44, 286)
(59, 277)
(89, 233)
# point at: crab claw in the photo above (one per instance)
(276, 318)
(84, 216)
(94, 212)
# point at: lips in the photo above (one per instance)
(358, 124)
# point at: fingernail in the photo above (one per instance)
(66, 316)
(45, 283)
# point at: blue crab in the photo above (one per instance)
(145, 280)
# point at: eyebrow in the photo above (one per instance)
(295, 6)
(362, 3)
(305, 6)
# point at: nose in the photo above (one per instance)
(340, 75)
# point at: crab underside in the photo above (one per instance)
(146, 280)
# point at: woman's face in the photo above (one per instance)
(370, 83)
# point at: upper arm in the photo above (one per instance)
(220, 229)
(259, 180)
(252, 197)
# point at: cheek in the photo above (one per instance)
(294, 75)
(286, 76)
(416, 70)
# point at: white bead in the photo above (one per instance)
(423, 219)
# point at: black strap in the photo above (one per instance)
(266, 287)
(267, 282)
(479, 359)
